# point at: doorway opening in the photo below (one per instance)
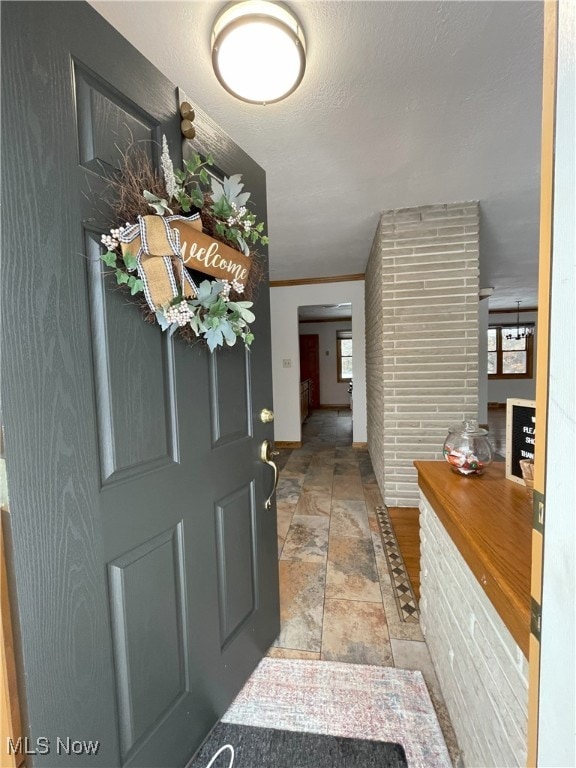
(326, 357)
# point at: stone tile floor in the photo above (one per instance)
(336, 597)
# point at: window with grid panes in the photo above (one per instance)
(509, 357)
(344, 348)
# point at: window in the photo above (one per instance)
(509, 352)
(344, 347)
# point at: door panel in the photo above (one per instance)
(150, 633)
(231, 414)
(102, 112)
(236, 543)
(129, 445)
(143, 563)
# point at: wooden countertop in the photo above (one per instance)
(489, 519)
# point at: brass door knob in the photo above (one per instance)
(266, 415)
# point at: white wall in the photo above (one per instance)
(557, 721)
(501, 389)
(332, 392)
(285, 346)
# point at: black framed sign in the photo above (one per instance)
(520, 431)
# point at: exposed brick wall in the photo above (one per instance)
(421, 338)
(482, 671)
(375, 357)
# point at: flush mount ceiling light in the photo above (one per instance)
(258, 51)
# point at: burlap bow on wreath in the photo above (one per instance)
(164, 246)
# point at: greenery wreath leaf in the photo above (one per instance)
(109, 258)
(130, 261)
(159, 204)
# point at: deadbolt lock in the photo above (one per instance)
(266, 416)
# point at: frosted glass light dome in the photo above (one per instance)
(258, 51)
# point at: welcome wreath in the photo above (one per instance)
(199, 227)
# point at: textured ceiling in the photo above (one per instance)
(402, 104)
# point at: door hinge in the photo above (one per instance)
(538, 510)
(535, 618)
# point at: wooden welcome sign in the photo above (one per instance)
(165, 245)
(200, 251)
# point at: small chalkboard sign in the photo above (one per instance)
(520, 431)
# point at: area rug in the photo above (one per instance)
(354, 701)
(244, 746)
(403, 593)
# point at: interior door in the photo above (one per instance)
(143, 562)
(310, 365)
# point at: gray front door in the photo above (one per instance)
(144, 566)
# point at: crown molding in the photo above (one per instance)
(315, 280)
(328, 320)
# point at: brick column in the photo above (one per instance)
(421, 338)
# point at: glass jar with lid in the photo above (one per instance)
(467, 449)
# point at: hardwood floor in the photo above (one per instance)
(405, 521)
(497, 431)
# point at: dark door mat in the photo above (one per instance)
(271, 748)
